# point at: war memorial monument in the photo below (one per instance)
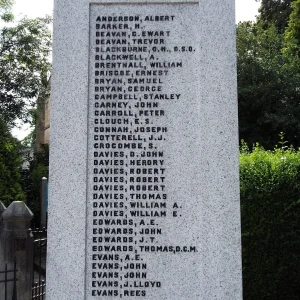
(144, 181)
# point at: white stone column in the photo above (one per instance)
(123, 70)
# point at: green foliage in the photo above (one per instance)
(5, 10)
(24, 67)
(292, 33)
(24, 74)
(6, 4)
(7, 17)
(276, 12)
(268, 86)
(270, 208)
(10, 162)
(30, 139)
(31, 178)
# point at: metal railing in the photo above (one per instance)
(6, 280)
(39, 264)
(39, 290)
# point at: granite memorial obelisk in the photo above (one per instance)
(144, 181)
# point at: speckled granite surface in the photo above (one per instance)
(200, 150)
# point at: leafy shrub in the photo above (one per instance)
(31, 179)
(270, 209)
(10, 162)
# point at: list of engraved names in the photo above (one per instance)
(139, 58)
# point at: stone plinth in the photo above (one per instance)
(16, 244)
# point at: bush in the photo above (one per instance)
(270, 210)
(31, 179)
(10, 162)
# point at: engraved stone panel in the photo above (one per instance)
(144, 77)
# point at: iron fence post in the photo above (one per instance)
(43, 198)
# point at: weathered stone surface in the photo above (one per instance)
(150, 163)
(16, 244)
(2, 209)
